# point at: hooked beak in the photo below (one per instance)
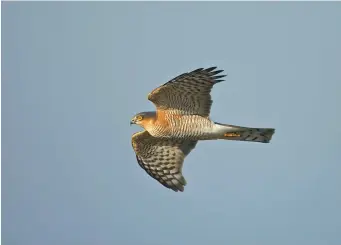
(132, 122)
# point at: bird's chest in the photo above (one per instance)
(179, 126)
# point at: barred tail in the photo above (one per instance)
(231, 132)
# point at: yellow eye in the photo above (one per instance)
(139, 118)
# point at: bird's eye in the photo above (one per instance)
(139, 118)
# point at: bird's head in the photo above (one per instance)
(143, 117)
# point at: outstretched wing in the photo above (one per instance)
(188, 93)
(162, 159)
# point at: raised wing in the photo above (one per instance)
(188, 93)
(162, 159)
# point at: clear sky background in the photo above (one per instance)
(73, 75)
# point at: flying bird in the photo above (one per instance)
(182, 119)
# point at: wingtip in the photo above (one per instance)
(199, 69)
(212, 68)
(177, 189)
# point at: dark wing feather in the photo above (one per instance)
(162, 159)
(188, 93)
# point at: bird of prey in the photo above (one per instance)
(182, 119)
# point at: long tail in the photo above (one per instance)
(231, 132)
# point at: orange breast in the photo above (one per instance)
(161, 118)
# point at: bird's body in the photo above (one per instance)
(169, 125)
(180, 121)
(193, 127)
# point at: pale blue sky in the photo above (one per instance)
(73, 74)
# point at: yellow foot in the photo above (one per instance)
(232, 135)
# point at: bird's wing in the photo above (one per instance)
(162, 159)
(188, 93)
